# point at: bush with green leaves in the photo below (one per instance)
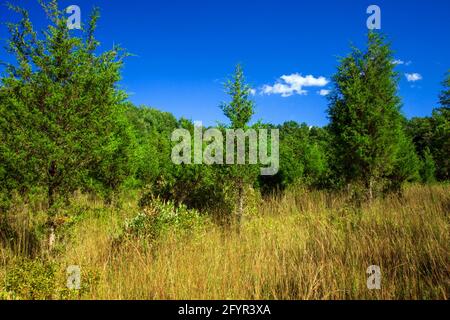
(36, 279)
(303, 158)
(160, 217)
(31, 280)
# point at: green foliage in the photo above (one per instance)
(428, 169)
(43, 280)
(62, 125)
(303, 156)
(406, 165)
(211, 188)
(115, 159)
(153, 130)
(440, 145)
(366, 123)
(432, 134)
(195, 186)
(31, 280)
(159, 218)
(240, 109)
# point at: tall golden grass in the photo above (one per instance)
(301, 245)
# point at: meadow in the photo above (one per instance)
(299, 245)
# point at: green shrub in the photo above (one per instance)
(37, 279)
(161, 217)
(31, 280)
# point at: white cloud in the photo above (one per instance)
(289, 85)
(401, 62)
(253, 92)
(413, 77)
(324, 92)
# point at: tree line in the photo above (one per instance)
(66, 126)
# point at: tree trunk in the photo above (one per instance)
(370, 190)
(51, 203)
(51, 239)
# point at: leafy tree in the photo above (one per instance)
(428, 169)
(153, 130)
(406, 165)
(303, 159)
(422, 133)
(431, 134)
(62, 119)
(115, 160)
(202, 187)
(366, 123)
(293, 146)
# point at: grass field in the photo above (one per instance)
(302, 245)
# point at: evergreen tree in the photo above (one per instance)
(366, 123)
(239, 111)
(62, 119)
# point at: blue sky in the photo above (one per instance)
(184, 50)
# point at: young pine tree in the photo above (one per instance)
(239, 111)
(366, 123)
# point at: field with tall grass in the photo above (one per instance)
(299, 245)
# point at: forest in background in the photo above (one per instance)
(69, 133)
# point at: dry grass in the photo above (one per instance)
(304, 245)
